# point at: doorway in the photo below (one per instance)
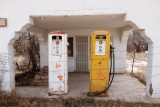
(82, 53)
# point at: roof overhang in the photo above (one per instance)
(80, 22)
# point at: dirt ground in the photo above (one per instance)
(139, 66)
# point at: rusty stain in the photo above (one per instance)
(60, 88)
(60, 77)
(58, 65)
(101, 75)
(99, 62)
(151, 90)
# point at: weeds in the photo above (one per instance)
(91, 102)
(14, 100)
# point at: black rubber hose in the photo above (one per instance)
(104, 91)
(111, 61)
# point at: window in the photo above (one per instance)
(70, 47)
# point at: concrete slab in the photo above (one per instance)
(124, 87)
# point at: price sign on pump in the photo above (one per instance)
(100, 46)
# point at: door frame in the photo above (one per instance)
(74, 51)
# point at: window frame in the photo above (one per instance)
(73, 46)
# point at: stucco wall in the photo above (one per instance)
(144, 13)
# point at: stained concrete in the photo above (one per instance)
(124, 87)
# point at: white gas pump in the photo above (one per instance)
(58, 71)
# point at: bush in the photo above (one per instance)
(14, 100)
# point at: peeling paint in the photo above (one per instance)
(58, 65)
(101, 75)
(60, 77)
(151, 90)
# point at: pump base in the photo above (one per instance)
(91, 94)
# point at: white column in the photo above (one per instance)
(149, 89)
(7, 73)
(120, 52)
(153, 78)
(43, 54)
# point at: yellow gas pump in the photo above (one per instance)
(100, 63)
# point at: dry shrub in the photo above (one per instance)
(14, 100)
(91, 102)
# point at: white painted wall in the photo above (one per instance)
(144, 13)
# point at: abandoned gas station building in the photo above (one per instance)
(79, 18)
